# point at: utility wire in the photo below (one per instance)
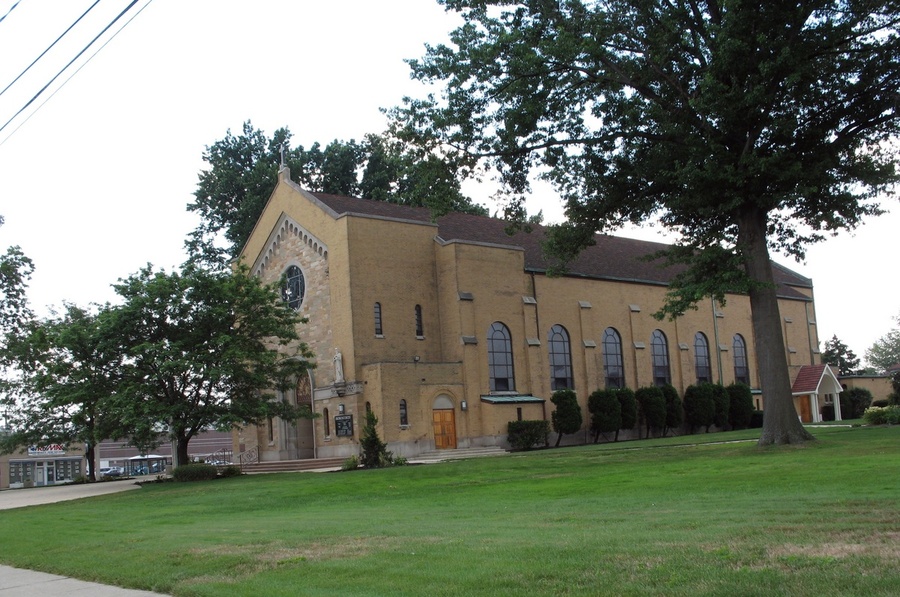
(11, 8)
(49, 47)
(23, 108)
(112, 37)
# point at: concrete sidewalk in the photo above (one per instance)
(15, 582)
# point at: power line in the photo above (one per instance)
(11, 8)
(44, 88)
(50, 46)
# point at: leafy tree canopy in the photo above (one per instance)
(740, 125)
(68, 368)
(204, 348)
(837, 353)
(885, 352)
(15, 271)
(242, 172)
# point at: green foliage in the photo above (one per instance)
(854, 402)
(629, 408)
(230, 471)
(606, 413)
(674, 409)
(652, 407)
(885, 352)
(69, 371)
(700, 406)
(567, 416)
(882, 415)
(242, 171)
(525, 435)
(351, 464)
(894, 397)
(722, 402)
(374, 451)
(740, 406)
(204, 348)
(840, 357)
(195, 472)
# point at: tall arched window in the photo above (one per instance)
(741, 370)
(379, 331)
(612, 359)
(659, 351)
(327, 421)
(500, 358)
(420, 331)
(294, 287)
(404, 416)
(560, 359)
(701, 358)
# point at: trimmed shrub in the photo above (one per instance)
(722, 403)
(567, 416)
(230, 471)
(195, 472)
(374, 451)
(740, 408)
(351, 464)
(606, 413)
(652, 405)
(756, 419)
(629, 408)
(882, 415)
(854, 402)
(881, 403)
(674, 409)
(699, 406)
(524, 435)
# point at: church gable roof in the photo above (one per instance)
(611, 258)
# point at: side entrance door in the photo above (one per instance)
(444, 429)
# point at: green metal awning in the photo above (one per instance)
(511, 399)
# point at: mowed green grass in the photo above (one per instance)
(656, 517)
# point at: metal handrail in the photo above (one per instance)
(251, 456)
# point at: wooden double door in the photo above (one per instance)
(444, 422)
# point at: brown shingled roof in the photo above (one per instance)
(612, 257)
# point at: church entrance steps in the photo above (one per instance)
(458, 454)
(290, 466)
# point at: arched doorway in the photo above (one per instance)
(443, 417)
(304, 441)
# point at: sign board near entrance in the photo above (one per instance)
(343, 425)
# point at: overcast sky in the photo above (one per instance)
(94, 182)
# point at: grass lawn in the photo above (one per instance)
(655, 517)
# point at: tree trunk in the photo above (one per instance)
(89, 455)
(181, 450)
(781, 425)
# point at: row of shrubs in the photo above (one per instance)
(657, 410)
(882, 415)
(199, 471)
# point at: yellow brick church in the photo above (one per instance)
(449, 329)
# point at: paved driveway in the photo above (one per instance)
(18, 498)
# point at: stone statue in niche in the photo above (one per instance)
(338, 366)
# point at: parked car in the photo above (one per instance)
(110, 471)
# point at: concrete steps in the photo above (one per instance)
(457, 454)
(292, 466)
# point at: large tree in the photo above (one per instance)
(743, 126)
(885, 352)
(839, 354)
(15, 271)
(204, 348)
(67, 371)
(243, 169)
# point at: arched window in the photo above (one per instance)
(379, 331)
(294, 287)
(420, 331)
(701, 358)
(741, 370)
(500, 358)
(659, 351)
(404, 417)
(327, 421)
(612, 359)
(368, 407)
(560, 359)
